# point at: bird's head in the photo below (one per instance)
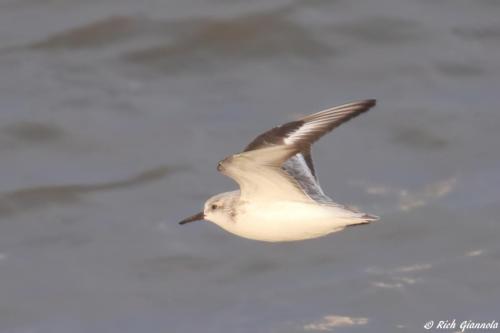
(216, 210)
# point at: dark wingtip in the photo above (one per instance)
(278, 133)
(369, 103)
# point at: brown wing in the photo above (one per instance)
(304, 132)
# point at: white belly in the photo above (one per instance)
(288, 221)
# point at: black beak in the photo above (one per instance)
(196, 217)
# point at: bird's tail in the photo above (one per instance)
(365, 219)
(370, 218)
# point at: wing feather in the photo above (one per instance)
(260, 176)
(304, 132)
(278, 164)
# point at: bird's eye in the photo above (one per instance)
(214, 206)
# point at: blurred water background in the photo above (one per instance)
(114, 114)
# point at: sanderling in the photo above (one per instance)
(280, 198)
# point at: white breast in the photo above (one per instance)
(287, 221)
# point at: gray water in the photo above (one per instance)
(114, 114)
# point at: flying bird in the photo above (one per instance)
(279, 197)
